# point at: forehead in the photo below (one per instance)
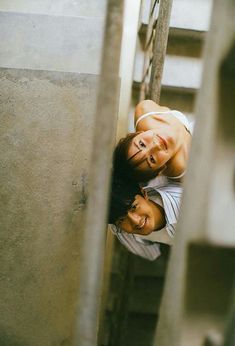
(137, 157)
(142, 203)
(134, 147)
(143, 207)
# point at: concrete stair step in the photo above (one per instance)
(180, 73)
(191, 15)
(79, 8)
(188, 17)
(144, 13)
(43, 42)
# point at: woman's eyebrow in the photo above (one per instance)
(137, 145)
(149, 164)
(130, 158)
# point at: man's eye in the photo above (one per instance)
(133, 207)
(152, 159)
(141, 144)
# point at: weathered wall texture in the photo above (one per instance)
(46, 127)
(35, 41)
(45, 142)
(78, 8)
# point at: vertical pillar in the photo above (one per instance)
(93, 245)
(202, 262)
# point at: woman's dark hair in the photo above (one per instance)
(122, 196)
(122, 167)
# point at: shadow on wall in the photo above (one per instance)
(9, 339)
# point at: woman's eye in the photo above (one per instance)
(142, 145)
(152, 160)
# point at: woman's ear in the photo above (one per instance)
(144, 193)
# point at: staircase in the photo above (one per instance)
(183, 62)
(133, 314)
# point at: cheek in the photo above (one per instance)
(126, 227)
(162, 158)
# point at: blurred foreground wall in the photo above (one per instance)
(49, 66)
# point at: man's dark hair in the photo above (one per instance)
(122, 196)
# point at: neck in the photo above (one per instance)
(178, 163)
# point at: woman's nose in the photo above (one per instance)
(153, 147)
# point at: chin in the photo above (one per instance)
(147, 232)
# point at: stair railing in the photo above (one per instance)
(155, 49)
(159, 49)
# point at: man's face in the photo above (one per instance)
(141, 217)
(149, 151)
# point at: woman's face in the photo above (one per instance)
(141, 217)
(150, 151)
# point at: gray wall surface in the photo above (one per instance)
(82, 8)
(61, 43)
(45, 140)
(50, 54)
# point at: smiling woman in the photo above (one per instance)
(161, 144)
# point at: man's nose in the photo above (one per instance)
(135, 218)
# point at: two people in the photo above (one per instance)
(159, 148)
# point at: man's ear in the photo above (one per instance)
(144, 193)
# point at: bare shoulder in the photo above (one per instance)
(146, 106)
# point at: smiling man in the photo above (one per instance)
(146, 216)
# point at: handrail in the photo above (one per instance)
(93, 242)
(159, 49)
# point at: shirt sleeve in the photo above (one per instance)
(138, 246)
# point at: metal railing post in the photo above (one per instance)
(159, 49)
(93, 244)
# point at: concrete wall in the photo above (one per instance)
(45, 143)
(80, 8)
(61, 43)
